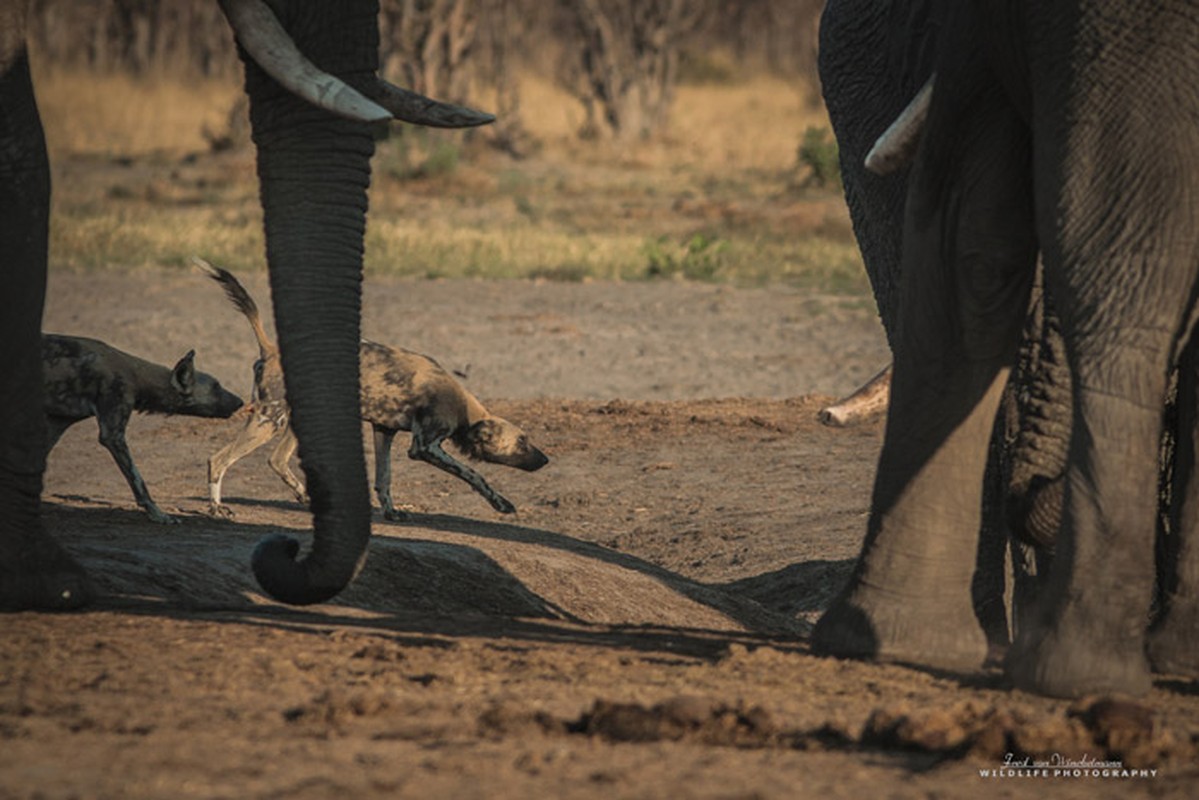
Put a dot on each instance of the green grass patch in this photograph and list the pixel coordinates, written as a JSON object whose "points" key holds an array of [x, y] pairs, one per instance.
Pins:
{"points": [[120, 236]]}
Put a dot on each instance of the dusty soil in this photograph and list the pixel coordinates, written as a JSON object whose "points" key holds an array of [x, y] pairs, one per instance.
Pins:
{"points": [[637, 629]]}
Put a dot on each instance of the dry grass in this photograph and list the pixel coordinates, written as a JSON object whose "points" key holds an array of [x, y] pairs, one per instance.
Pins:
{"points": [[113, 115], [715, 199]]}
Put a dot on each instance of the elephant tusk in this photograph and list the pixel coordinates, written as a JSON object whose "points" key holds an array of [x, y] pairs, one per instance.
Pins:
{"points": [[867, 402], [409, 106], [897, 146], [264, 38]]}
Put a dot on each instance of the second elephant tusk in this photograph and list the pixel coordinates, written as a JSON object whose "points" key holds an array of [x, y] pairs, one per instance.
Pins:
{"points": [[264, 38], [897, 146], [409, 106]]}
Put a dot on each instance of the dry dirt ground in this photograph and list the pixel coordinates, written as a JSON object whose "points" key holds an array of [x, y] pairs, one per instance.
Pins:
{"points": [[638, 629]]}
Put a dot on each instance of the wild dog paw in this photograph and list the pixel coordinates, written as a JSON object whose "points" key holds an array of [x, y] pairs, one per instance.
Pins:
{"points": [[161, 517], [220, 511], [393, 514], [502, 505]]}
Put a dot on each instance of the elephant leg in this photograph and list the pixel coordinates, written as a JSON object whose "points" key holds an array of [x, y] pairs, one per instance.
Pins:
{"points": [[35, 572], [968, 265], [1173, 646], [1087, 634], [1117, 224]]}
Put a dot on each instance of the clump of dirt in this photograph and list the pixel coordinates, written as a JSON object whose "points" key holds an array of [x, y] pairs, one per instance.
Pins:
{"points": [[1109, 730]]}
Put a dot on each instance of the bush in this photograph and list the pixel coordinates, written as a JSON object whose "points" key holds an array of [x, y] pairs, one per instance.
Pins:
{"points": [[818, 153], [699, 258]]}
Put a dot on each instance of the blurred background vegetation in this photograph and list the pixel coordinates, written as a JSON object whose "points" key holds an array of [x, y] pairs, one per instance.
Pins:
{"points": [[680, 139]]}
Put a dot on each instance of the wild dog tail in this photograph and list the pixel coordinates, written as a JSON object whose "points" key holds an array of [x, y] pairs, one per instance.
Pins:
{"points": [[241, 300]]}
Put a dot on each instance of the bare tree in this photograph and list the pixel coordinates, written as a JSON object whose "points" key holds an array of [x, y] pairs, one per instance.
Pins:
{"points": [[625, 67], [426, 44], [505, 27], [135, 36], [777, 35]]}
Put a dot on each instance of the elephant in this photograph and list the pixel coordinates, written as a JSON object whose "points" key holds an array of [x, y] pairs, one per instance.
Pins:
{"points": [[1063, 130], [314, 135]]}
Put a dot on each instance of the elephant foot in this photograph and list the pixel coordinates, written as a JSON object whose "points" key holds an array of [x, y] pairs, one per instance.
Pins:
{"points": [[1172, 646], [903, 631], [1070, 666], [41, 576]]}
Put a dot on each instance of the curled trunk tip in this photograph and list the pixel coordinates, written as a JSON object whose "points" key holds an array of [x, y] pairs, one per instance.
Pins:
{"points": [[289, 580]]}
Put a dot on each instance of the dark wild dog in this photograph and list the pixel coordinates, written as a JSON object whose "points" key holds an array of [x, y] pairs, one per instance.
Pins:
{"points": [[87, 378], [400, 391]]}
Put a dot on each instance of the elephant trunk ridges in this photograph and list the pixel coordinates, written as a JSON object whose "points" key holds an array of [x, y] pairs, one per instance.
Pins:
{"points": [[314, 170]]}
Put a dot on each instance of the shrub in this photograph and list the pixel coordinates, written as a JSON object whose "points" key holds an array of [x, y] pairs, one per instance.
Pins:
{"points": [[818, 152], [699, 258]]}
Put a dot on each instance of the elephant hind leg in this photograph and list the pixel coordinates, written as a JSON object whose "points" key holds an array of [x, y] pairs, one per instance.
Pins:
{"points": [[1087, 634], [1117, 226]]}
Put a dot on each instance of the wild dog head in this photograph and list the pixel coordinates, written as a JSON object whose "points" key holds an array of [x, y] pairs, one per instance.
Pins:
{"points": [[498, 441], [198, 394]]}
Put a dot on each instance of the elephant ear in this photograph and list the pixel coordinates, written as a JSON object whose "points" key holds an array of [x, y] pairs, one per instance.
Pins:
{"points": [[265, 39]]}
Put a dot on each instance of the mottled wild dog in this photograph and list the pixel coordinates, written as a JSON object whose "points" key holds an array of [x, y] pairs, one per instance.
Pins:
{"points": [[85, 378], [400, 391]]}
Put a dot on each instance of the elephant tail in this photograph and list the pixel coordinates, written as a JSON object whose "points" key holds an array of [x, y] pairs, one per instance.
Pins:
{"points": [[242, 301]]}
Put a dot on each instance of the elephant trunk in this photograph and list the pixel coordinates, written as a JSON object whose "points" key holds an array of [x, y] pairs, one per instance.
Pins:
{"points": [[1035, 493], [314, 170]]}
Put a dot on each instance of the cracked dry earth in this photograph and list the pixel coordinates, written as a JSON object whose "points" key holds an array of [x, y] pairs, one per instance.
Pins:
{"points": [[638, 629]]}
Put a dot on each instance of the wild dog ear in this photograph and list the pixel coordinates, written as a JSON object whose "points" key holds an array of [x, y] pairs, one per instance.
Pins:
{"points": [[481, 431], [183, 377]]}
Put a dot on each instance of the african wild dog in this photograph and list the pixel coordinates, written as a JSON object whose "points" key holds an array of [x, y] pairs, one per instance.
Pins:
{"points": [[401, 391], [87, 378]]}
